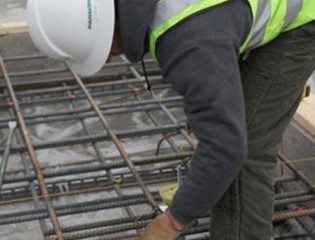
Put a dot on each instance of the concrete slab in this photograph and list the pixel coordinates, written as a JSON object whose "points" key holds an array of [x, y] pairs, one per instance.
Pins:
{"points": [[12, 11]]}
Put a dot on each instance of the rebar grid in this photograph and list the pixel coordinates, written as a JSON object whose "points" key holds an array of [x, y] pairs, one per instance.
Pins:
{"points": [[103, 107], [49, 96]]}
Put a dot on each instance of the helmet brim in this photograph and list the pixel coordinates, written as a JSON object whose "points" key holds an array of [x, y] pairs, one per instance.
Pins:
{"points": [[99, 30], [103, 42]]}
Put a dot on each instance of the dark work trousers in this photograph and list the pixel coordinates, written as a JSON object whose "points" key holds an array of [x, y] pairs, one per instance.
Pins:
{"points": [[273, 77], [238, 111]]}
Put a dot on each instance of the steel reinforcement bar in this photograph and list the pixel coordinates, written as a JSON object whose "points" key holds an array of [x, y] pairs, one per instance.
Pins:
{"points": [[39, 175], [66, 180]]}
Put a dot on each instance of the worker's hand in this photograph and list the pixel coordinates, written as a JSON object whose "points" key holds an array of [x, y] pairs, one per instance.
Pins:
{"points": [[164, 227]]}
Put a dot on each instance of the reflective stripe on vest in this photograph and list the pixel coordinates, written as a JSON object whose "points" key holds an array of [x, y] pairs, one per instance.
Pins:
{"points": [[168, 13], [270, 18], [293, 8]]}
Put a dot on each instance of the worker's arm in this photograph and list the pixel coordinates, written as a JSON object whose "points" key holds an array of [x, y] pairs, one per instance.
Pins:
{"points": [[202, 64], [214, 105]]}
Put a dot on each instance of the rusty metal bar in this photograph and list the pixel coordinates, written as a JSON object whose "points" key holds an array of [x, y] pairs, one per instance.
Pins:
{"points": [[86, 177], [27, 170], [87, 112], [31, 151], [189, 139], [101, 159], [117, 142], [300, 212], [300, 175], [77, 88]]}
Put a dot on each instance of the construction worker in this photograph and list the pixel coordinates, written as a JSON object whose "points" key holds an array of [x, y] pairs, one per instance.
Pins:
{"points": [[240, 65]]}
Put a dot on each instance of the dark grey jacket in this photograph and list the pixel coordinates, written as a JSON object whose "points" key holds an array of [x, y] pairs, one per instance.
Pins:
{"points": [[135, 17], [199, 57]]}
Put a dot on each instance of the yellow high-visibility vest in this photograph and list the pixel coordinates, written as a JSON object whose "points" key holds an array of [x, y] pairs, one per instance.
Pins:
{"points": [[270, 18]]}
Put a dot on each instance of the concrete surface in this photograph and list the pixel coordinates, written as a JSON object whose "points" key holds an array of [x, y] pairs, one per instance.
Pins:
{"points": [[12, 10]]}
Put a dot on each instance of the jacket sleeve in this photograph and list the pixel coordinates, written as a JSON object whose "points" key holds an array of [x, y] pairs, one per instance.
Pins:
{"points": [[204, 69], [135, 17]]}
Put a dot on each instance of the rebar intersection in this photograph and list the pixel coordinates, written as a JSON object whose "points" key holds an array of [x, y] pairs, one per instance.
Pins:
{"points": [[83, 160]]}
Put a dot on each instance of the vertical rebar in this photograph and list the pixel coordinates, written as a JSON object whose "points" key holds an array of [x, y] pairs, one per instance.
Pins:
{"points": [[117, 142], [297, 173], [27, 170], [4, 162], [192, 143], [100, 156], [31, 151]]}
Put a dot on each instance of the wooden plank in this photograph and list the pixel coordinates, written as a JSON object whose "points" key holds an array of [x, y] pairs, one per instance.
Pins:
{"points": [[305, 115], [13, 28]]}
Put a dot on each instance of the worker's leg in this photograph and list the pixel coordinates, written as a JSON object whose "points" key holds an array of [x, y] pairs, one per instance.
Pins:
{"points": [[273, 77]]}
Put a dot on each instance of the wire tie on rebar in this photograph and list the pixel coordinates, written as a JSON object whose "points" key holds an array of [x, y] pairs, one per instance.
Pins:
{"points": [[10, 103], [72, 98], [163, 207], [59, 185], [63, 187], [165, 137], [118, 180], [156, 211], [135, 90], [160, 99], [146, 78], [181, 150], [186, 160], [300, 209]]}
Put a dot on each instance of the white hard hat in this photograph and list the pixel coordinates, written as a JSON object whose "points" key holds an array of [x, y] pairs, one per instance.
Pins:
{"points": [[79, 32]]}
